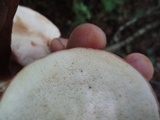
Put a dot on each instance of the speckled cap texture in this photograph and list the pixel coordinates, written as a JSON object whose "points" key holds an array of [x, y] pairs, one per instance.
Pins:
{"points": [[79, 84]]}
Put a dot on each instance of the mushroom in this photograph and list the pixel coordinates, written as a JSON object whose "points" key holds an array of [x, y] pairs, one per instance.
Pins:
{"points": [[79, 84], [31, 35]]}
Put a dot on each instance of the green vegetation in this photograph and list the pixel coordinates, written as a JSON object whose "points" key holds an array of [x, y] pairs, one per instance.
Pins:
{"points": [[83, 12], [110, 5]]}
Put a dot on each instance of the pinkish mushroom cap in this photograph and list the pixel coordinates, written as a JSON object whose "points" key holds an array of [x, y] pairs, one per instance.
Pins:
{"points": [[79, 84], [31, 35]]}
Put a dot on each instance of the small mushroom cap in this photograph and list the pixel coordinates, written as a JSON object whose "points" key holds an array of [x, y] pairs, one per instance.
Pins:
{"points": [[31, 35], [79, 84]]}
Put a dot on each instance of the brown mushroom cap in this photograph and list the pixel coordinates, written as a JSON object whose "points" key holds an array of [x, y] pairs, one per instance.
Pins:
{"points": [[31, 35], [79, 84]]}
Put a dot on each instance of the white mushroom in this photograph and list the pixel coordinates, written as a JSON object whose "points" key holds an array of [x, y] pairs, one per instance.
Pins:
{"points": [[31, 35], [79, 84]]}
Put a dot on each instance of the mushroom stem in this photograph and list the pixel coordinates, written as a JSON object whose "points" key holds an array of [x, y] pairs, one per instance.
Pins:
{"points": [[7, 12]]}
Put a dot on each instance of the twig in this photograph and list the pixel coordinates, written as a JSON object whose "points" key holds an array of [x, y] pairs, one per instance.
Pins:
{"points": [[117, 35], [134, 36]]}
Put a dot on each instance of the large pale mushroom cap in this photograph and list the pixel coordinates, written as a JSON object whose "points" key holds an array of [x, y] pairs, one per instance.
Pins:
{"points": [[31, 35], [79, 84]]}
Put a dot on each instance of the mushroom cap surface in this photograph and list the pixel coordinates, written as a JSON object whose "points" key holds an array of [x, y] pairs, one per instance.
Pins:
{"points": [[79, 84], [31, 35]]}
